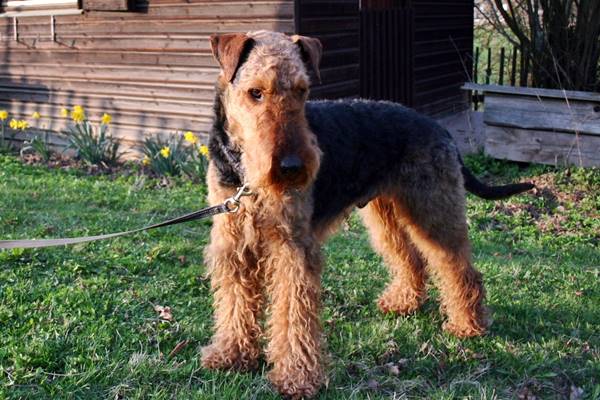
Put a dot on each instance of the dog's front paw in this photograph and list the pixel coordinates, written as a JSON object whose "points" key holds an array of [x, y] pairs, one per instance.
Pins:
{"points": [[229, 357], [469, 324], [400, 300], [464, 331], [297, 382]]}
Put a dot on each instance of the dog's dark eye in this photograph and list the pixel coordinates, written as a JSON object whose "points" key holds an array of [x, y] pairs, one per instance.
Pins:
{"points": [[256, 94]]}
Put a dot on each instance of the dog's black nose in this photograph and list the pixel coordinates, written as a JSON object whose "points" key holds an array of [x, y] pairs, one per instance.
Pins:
{"points": [[291, 165]]}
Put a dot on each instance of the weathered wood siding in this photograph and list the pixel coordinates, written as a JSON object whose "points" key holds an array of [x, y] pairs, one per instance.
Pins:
{"points": [[150, 67], [335, 23], [544, 147], [443, 54]]}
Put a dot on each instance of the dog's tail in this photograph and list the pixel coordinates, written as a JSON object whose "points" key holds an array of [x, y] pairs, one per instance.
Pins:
{"points": [[480, 189]]}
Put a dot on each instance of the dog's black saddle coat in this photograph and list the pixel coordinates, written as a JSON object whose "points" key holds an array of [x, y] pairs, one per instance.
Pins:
{"points": [[364, 143]]}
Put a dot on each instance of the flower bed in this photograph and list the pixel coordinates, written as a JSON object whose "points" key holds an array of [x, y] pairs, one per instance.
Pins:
{"points": [[92, 145]]}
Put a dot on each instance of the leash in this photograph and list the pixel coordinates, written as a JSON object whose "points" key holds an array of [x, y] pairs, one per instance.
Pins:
{"points": [[230, 205]]}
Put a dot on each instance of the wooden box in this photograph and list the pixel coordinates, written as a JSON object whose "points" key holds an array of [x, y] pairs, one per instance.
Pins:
{"points": [[546, 126]]}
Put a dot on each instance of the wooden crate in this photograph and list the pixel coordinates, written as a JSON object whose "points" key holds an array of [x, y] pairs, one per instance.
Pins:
{"points": [[546, 126]]}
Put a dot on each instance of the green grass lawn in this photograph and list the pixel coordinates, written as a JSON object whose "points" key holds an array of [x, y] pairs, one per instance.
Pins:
{"points": [[80, 322]]}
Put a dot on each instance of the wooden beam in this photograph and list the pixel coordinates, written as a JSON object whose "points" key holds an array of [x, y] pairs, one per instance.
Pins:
{"points": [[39, 13], [105, 5], [38, 3], [535, 92], [553, 148], [544, 113]]}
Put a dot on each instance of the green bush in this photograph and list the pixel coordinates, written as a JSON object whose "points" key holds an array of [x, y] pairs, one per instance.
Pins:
{"points": [[93, 146], [197, 164], [14, 124], [176, 155], [39, 146], [4, 143], [165, 157]]}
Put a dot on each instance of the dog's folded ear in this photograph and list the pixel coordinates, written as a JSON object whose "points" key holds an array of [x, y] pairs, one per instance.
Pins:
{"points": [[311, 50], [230, 50]]}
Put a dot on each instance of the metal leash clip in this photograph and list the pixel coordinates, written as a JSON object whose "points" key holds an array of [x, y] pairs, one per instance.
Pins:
{"points": [[232, 204]]}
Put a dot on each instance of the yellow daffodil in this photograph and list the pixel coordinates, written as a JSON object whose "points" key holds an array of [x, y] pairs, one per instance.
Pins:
{"points": [[203, 149], [190, 137], [78, 114], [106, 118], [64, 112], [165, 152], [145, 161], [36, 115], [22, 125], [18, 124], [3, 115]]}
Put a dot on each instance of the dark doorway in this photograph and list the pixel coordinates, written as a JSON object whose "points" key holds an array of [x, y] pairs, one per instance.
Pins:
{"points": [[386, 50]]}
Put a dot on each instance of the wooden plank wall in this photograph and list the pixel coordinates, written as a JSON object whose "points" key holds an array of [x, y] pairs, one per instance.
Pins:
{"points": [[151, 68], [443, 47], [443, 54], [336, 24]]}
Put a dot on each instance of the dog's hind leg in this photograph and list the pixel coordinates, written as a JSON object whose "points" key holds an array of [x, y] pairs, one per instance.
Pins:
{"points": [[406, 290], [432, 207]]}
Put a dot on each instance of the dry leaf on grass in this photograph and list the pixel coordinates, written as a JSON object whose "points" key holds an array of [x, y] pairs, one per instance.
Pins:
{"points": [[576, 393], [164, 312], [180, 346], [393, 369], [526, 394], [373, 384]]}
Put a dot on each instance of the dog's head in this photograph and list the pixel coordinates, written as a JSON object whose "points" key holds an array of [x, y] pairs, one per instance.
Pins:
{"points": [[263, 87]]}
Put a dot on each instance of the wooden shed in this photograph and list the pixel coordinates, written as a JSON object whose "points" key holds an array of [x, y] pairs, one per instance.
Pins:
{"points": [[148, 62]]}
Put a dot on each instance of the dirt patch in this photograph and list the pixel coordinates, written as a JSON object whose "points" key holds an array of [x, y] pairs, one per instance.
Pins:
{"points": [[59, 161], [553, 205]]}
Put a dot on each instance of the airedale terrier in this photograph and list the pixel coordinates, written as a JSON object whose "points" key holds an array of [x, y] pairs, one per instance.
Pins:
{"points": [[309, 164]]}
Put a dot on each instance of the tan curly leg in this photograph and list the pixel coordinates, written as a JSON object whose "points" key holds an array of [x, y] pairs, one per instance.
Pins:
{"points": [[238, 300], [294, 346]]}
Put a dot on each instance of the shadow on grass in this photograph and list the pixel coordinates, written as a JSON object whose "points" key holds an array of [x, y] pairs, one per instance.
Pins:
{"points": [[531, 324]]}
